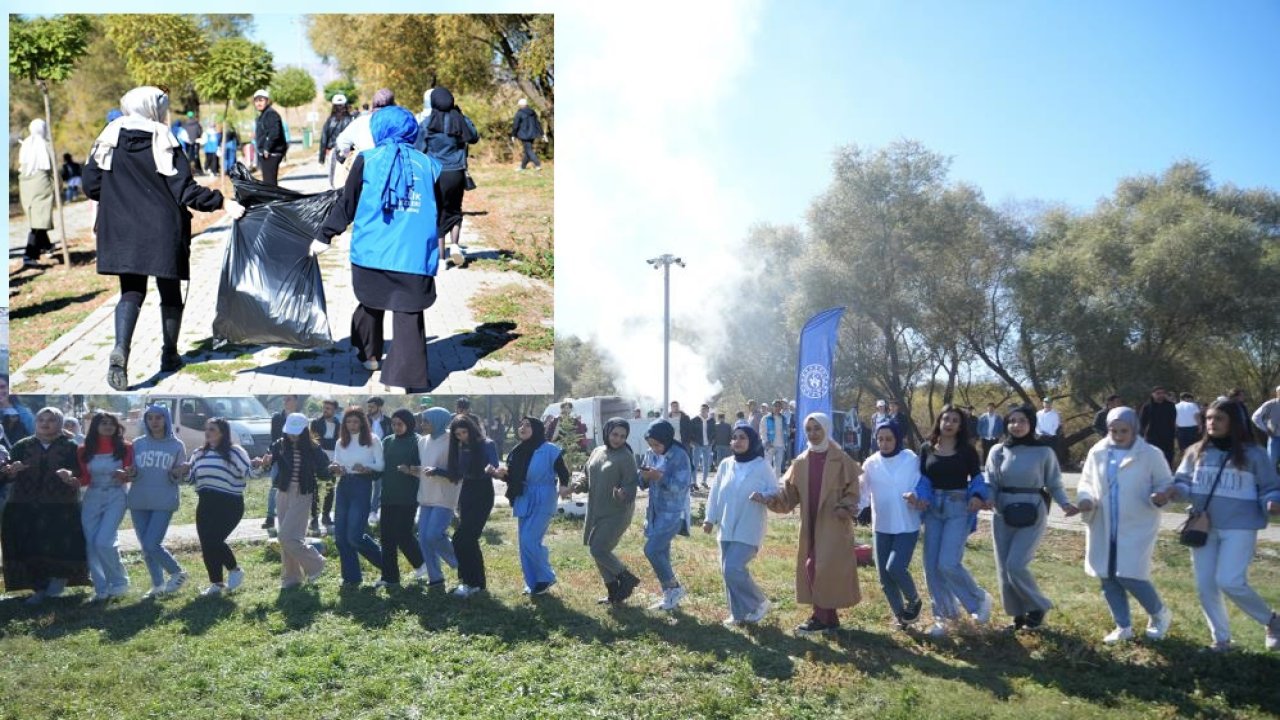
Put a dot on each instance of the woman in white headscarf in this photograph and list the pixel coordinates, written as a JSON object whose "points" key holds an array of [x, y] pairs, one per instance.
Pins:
{"points": [[1123, 484], [142, 182], [35, 189], [823, 482]]}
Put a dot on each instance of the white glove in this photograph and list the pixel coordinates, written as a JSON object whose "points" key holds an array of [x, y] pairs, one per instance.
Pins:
{"points": [[233, 208], [318, 247]]}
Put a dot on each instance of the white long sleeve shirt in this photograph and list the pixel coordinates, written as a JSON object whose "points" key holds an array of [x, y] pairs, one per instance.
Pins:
{"points": [[885, 481], [354, 453]]}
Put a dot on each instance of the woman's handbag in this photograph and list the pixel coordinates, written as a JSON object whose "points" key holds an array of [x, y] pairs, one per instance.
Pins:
{"points": [[1195, 529], [470, 183]]}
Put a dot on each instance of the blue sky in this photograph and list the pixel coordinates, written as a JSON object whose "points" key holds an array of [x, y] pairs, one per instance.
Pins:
{"points": [[680, 124]]}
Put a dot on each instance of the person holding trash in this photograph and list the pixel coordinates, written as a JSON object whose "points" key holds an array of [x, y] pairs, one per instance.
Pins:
{"points": [[142, 182], [391, 195]]}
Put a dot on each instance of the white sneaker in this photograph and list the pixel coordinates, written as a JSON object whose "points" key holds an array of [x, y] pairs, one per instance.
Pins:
{"points": [[315, 575], [671, 597], [939, 629], [1159, 624], [176, 582], [155, 591], [465, 591], [213, 590], [373, 518], [759, 614], [983, 616], [420, 573], [1120, 634], [1273, 632], [384, 584], [234, 578]]}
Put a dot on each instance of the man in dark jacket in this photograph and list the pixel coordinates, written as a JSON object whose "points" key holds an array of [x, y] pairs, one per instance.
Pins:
{"points": [[701, 443], [338, 121], [325, 430], [526, 129], [1158, 421], [1100, 418], [268, 137], [192, 148]]}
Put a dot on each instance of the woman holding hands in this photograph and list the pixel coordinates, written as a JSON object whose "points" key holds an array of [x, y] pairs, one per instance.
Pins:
{"points": [[105, 468], [42, 536], [531, 472], [667, 473], [741, 522], [823, 482], [299, 462], [358, 460], [1123, 484], [611, 481]]}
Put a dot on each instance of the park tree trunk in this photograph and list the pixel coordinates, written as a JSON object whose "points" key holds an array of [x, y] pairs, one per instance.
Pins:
{"points": [[57, 178]]}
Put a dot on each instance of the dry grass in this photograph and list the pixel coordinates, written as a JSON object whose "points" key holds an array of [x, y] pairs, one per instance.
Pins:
{"points": [[514, 211]]}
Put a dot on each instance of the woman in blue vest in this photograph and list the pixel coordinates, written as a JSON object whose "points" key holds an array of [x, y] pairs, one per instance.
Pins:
{"points": [[531, 473], [391, 195]]}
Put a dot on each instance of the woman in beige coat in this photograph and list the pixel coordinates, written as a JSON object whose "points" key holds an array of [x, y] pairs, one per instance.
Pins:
{"points": [[35, 189], [610, 482], [823, 482]]}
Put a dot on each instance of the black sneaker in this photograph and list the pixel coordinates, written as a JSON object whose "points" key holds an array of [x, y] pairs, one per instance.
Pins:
{"points": [[314, 528], [269, 523], [1035, 619], [627, 583], [813, 626], [612, 595], [1019, 622], [912, 611]]}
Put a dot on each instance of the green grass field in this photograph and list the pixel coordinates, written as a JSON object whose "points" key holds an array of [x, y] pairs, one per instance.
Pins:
{"points": [[322, 653]]}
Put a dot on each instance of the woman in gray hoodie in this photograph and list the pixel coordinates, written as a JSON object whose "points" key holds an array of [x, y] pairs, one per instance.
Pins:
{"points": [[1233, 481], [158, 455]]}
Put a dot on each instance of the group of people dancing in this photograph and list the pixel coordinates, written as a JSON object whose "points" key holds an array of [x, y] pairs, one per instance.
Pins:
{"points": [[66, 503]]}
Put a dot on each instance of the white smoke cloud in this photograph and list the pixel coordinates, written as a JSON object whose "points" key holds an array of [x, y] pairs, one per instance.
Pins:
{"points": [[639, 100]]}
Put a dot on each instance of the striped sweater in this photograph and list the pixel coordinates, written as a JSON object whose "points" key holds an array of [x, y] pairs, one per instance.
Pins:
{"points": [[209, 471]]}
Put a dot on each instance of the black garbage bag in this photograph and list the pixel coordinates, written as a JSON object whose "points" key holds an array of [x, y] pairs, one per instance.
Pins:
{"points": [[271, 292]]}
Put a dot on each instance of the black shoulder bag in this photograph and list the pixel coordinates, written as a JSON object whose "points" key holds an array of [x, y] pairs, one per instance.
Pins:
{"points": [[1195, 529]]}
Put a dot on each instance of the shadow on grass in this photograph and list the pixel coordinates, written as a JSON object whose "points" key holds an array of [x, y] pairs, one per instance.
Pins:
{"points": [[54, 305]]}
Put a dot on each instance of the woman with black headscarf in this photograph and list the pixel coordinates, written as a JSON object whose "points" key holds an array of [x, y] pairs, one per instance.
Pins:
{"points": [[448, 133], [667, 473], [1021, 471], [889, 479], [741, 521], [473, 461], [611, 502], [391, 196], [402, 459], [142, 182], [531, 473]]}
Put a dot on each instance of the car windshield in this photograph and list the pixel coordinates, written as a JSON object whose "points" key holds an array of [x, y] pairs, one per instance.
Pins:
{"points": [[244, 407]]}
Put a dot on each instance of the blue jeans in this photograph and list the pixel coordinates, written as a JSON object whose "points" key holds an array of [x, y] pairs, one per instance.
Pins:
{"points": [[150, 526], [893, 560], [946, 527], [100, 515], [377, 494], [535, 559], [744, 595], [1117, 590], [657, 548], [271, 492], [351, 527], [433, 539], [702, 458], [1273, 447]]}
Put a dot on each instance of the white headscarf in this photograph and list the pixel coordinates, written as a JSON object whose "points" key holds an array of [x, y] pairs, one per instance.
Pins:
{"points": [[145, 108], [36, 154], [825, 422]]}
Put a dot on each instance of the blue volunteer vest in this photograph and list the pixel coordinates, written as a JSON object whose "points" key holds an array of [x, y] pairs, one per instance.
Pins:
{"points": [[404, 240]]}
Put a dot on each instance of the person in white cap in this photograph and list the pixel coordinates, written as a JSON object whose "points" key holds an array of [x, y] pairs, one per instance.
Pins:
{"points": [[299, 460], [268, 137], [339, 119]]}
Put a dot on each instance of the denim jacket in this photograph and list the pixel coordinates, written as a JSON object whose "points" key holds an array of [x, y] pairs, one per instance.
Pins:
{"points": [[668, 510]]}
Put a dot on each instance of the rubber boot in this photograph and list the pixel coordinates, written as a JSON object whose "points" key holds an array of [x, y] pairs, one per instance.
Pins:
{"points": [[170, 326], [118, 368]]}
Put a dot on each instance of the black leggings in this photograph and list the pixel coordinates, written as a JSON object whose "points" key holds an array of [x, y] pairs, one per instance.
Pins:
{"points": [[452, 186], [396, 522], [217, 515], [133, 288], [474, 506], [37, 242]]}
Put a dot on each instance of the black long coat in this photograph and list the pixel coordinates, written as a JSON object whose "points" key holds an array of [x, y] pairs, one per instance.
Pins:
{"points": [[143, 225]]}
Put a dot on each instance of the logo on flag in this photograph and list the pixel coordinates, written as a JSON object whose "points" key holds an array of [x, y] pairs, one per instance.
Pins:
{"points": [[815, 381]]}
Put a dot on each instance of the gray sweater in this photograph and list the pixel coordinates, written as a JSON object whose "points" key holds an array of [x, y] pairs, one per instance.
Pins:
{"points": [[153, 488], [1239, 503], [1023, 466]]}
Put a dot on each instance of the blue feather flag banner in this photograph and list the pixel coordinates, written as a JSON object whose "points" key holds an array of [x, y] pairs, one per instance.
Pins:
{"points": [[813, 372]]}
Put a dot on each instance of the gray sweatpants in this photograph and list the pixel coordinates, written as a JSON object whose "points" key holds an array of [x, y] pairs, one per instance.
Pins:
{"points": [[1015, 549]]}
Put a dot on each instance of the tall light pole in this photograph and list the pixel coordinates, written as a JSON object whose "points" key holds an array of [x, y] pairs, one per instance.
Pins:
{"points": [[665, 262]]}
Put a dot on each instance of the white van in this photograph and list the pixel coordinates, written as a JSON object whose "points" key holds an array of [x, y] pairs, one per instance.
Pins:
{"points": [[249, 420]]}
